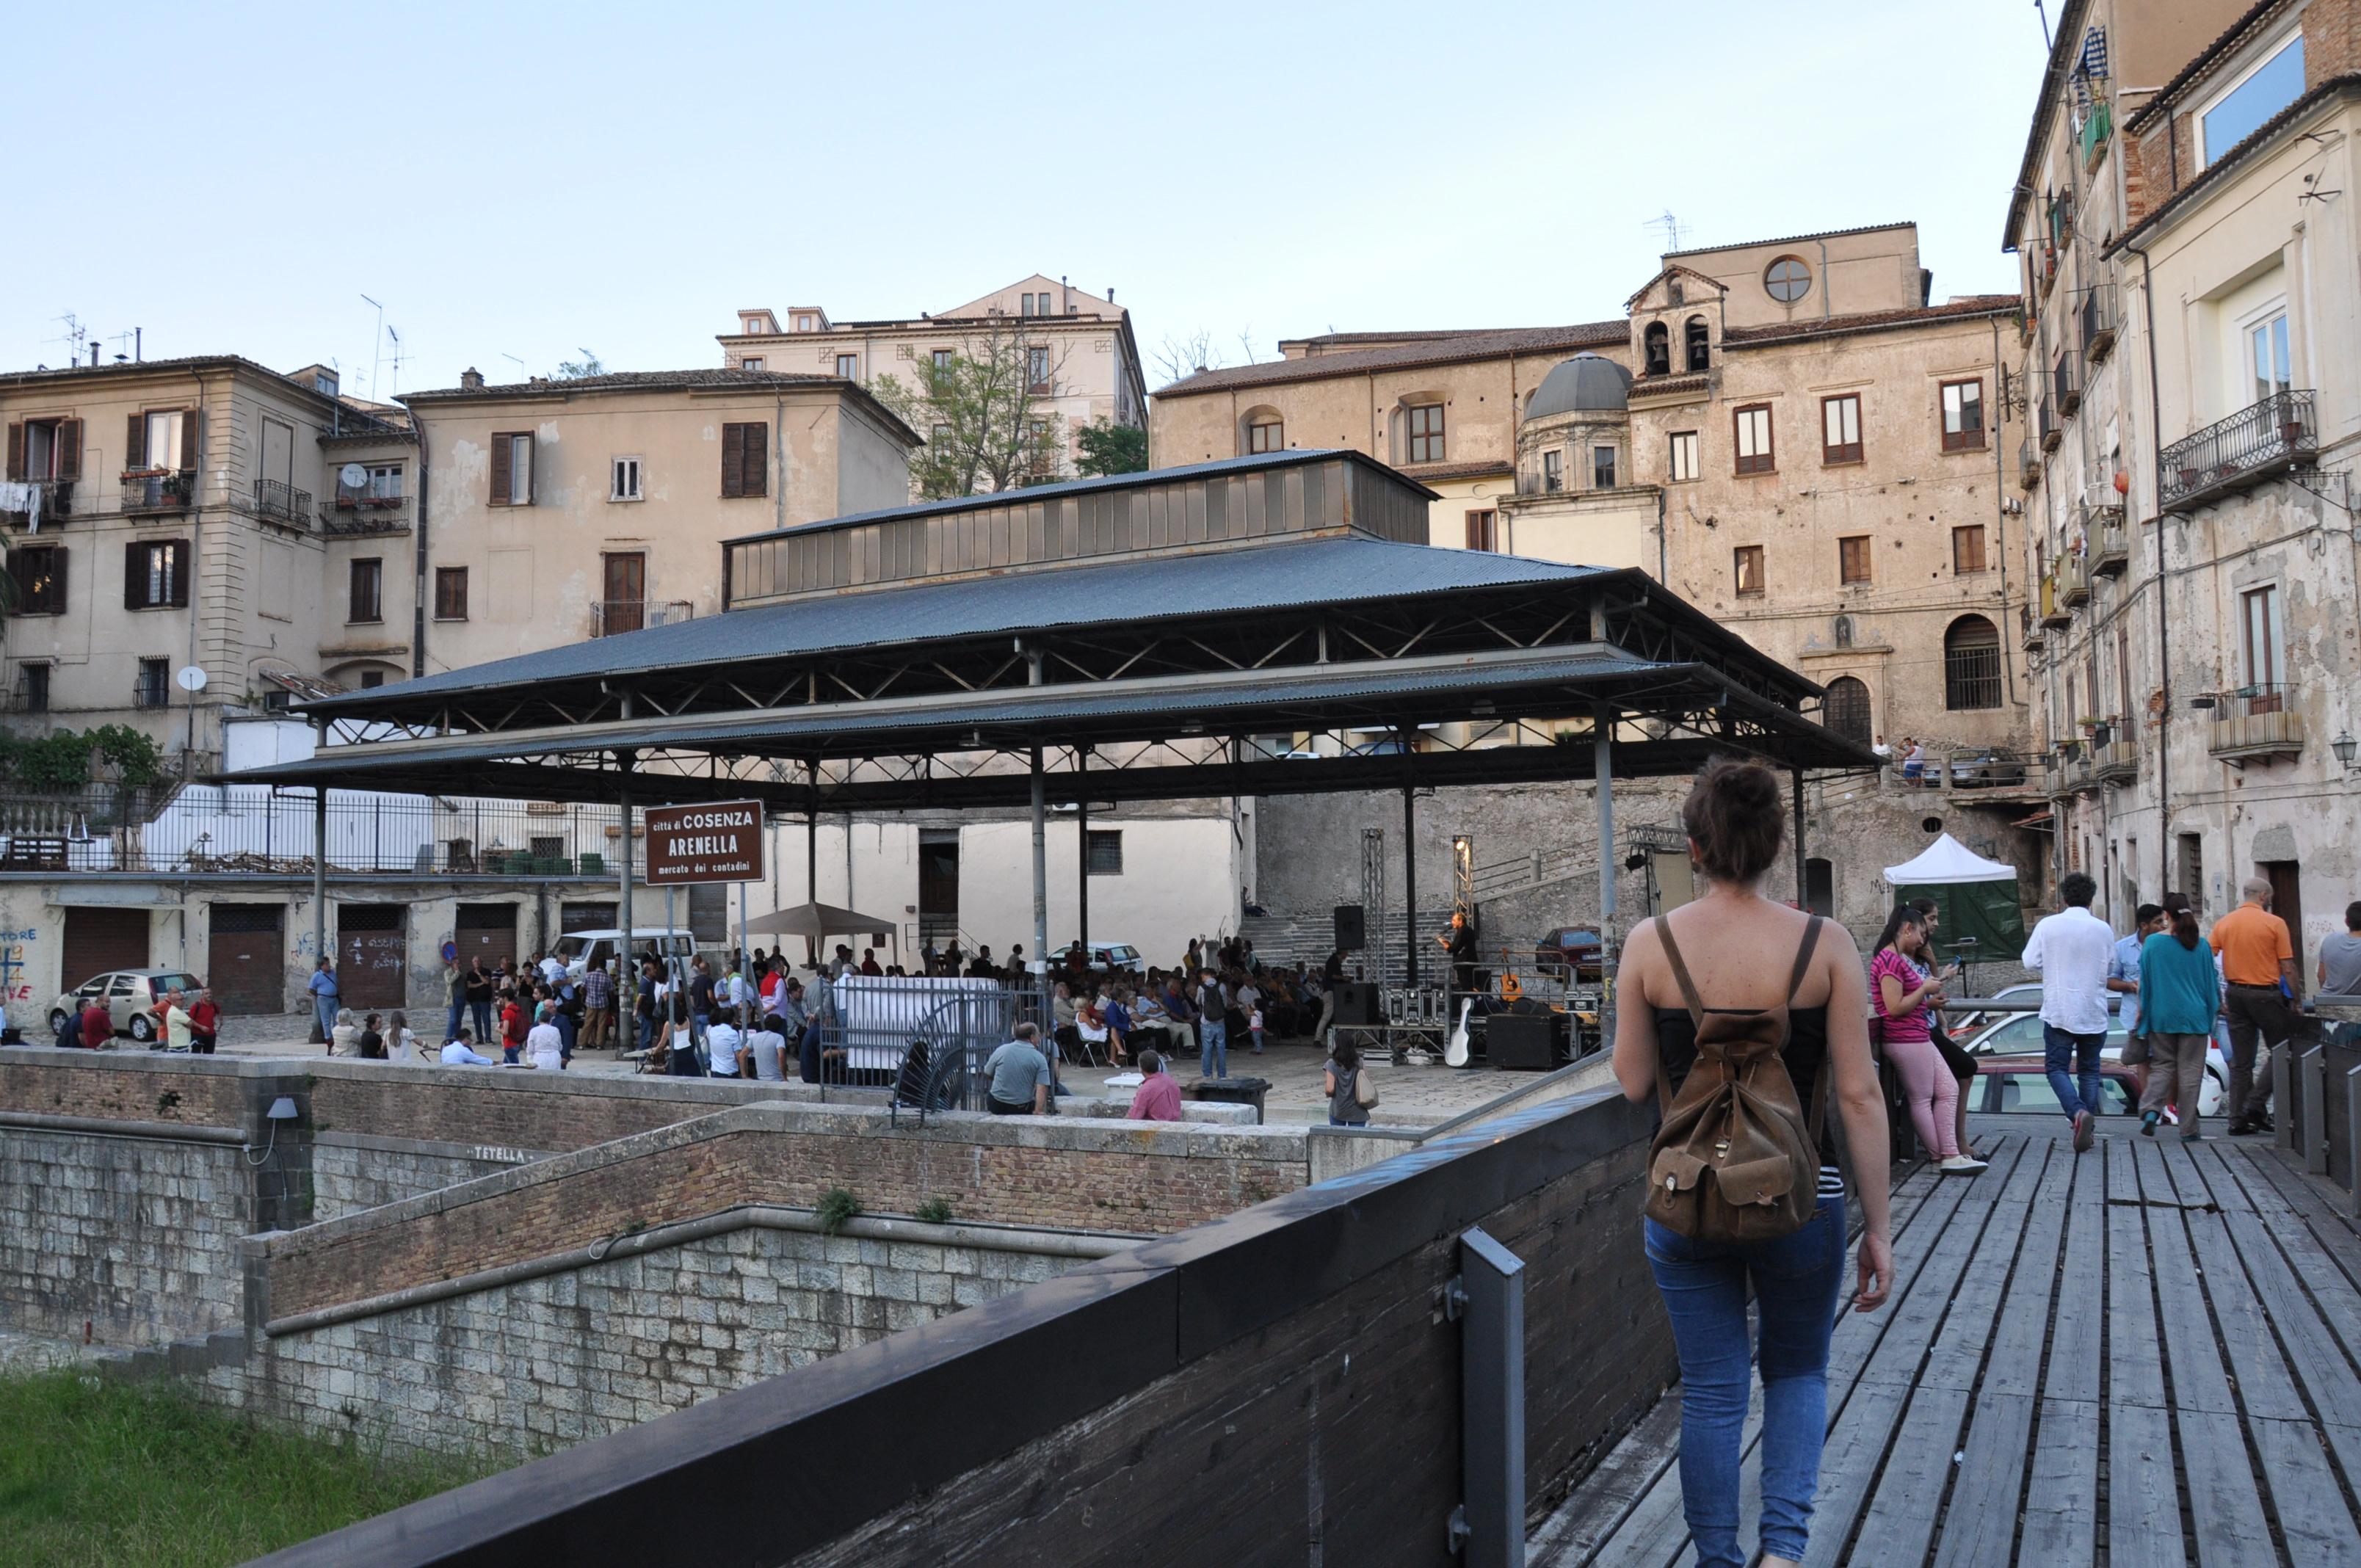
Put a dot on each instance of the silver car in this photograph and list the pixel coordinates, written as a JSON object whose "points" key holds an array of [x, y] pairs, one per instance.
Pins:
{"points": [[135, 999]]}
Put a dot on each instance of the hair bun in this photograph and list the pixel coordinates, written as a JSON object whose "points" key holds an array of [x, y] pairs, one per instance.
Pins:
{"points": [[1733, 816]]}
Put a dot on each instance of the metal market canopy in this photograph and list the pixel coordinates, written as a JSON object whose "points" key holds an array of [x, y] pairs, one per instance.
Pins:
{"points": [[1138, 631]]}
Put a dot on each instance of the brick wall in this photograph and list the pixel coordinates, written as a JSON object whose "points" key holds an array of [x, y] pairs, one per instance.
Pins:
{"points": [[531, 1367], [518, 1110], [350, 1174], [1060, 1173], [120, 1088], [136, 1237]]}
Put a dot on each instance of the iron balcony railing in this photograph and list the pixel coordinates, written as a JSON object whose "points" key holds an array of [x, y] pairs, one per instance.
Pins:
{"points": [[2050, 433], [2110, 543], [151, 691], [2066, 387], [382, 515], [285, 502], [2029, 464], [2256, 721], [56, 501], [159, 492], [612, 618], [2098, 319], [2262, 439]]}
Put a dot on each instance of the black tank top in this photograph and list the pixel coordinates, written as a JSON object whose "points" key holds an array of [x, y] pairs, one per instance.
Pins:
{"points": [[1805, 1054]]}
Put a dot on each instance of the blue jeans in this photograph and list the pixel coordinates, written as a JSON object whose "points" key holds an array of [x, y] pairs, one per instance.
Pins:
{"points": [[1703, 1287], [323, 1009], [482, 1010], [1213, 1049], [451, 1028], [2076, 1092]]}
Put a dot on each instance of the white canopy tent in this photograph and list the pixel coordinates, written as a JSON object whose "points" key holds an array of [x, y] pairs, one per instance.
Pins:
{"points": [[1947, 861]]}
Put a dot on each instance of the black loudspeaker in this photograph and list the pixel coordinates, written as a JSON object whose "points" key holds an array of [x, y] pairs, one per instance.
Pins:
{"points": [[1357, 1003], [1352, 930], [1525, 1042]]}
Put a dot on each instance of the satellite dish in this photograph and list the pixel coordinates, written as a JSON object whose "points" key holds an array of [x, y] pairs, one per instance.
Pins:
{"points": [[352, 476], [191, 677]]}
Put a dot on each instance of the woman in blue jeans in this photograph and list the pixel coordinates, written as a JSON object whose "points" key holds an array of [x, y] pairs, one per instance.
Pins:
{"points": [[1738, 944]]}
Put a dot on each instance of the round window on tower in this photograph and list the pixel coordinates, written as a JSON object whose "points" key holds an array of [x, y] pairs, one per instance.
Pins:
{"points": [[1788, 280]]}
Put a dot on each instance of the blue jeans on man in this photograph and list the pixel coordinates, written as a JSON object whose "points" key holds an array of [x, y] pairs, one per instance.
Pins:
{"points": [[451, 1026], [324, 1010], [1213, 1047], [1795, 1279], [2077, 1090]]}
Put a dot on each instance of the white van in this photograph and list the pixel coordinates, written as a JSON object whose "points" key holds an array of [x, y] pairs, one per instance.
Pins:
{"points": [[577, 950]]}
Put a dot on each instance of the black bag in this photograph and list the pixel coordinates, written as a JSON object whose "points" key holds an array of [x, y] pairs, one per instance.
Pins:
{"points": [[917, 1068]]}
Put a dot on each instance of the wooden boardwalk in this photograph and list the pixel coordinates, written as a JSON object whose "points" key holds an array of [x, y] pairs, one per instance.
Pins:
{"points": [[2145, 1356]]}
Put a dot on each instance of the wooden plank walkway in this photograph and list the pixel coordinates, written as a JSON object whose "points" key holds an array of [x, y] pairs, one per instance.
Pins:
{"points": [[2148, 1355]]}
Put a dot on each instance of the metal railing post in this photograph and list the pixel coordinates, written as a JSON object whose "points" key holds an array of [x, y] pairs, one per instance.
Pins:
{"points": [[1489, 1297], [2314, 1066], [2353, 1143], [2283, 1097]]}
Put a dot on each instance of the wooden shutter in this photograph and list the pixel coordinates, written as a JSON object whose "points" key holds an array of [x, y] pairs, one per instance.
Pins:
{"points": [[192, 441], [500, 470], [733, 461], [180, 564], [68, 438], [16, 450], [135, 444], [135, 576], [57, 601], [755, 480]]}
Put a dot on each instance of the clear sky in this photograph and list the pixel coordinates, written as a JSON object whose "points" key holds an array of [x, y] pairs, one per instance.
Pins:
{"points": [[521, 183]]}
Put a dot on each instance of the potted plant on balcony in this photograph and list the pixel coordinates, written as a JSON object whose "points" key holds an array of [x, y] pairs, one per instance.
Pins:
{"points": [[2101, 731], [2188, 477]]}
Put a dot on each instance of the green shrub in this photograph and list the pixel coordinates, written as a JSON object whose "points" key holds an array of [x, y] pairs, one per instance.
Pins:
{"points": [[836, 1210], [935, 1212]]}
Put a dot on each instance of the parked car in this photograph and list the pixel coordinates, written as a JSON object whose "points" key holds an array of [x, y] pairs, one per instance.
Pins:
{"points": [[2019, 1035], [133, 996], [2010, 1084], [1987, 770], [577, 950], [1574, 951], [1111, 956]]}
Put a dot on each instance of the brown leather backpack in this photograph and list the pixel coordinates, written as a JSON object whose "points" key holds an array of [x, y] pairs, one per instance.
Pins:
{"points": [[1735, 1159]]}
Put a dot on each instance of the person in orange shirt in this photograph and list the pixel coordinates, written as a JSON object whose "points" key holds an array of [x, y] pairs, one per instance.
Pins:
{"points": [[2261, 987]]}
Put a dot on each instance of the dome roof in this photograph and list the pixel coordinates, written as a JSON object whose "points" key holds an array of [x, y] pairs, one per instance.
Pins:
{"points": [[1585, 382]]}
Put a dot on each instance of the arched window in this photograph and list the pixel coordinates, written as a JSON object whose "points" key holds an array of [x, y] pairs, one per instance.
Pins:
{"points": [[1847, 710], [1659, 347], [1700, 345], [1261, 430], [1971, 669]]}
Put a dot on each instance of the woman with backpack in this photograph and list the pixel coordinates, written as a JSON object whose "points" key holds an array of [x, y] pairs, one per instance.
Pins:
{"points": [[1350, 1092], [1744, 1189], [1901, 1001]]}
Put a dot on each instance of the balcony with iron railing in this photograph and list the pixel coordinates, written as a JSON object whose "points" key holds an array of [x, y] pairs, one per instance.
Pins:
{"points": [[158, 493], [2092, 137], [2240, 452], [2254, 723], [52, 498], [2098, 320], [2116, 760], [350, 516], [2035, 635], [2047, 423], [2028, 465], [2066, 385], [282, 502], [2074, 580], [2110, 544], [2053, 612], [612, 618]]}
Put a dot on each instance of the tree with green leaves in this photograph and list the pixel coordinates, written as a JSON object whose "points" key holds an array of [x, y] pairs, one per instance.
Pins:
{"points": [[574, 369], [1112, 448], [984, 412]]}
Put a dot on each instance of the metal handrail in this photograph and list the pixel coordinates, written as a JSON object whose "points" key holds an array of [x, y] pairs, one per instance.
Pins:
{"points": [[273, 498], [2278, 432]]}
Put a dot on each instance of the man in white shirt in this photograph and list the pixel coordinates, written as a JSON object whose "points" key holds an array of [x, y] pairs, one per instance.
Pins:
{"points": [[458, 1052], [543, 1045], [2071, 952], [723, 1046], [767, 1049]]}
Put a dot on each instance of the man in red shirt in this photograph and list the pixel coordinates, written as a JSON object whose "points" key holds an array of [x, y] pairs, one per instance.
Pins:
{"points": [[511, 1030], [97, 1025], [1158, 1099], [204, 1024]]}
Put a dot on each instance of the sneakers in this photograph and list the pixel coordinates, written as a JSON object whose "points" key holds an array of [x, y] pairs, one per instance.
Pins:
{"points": [[2086, 1131], [1960, 1165], [2148, 1120]]}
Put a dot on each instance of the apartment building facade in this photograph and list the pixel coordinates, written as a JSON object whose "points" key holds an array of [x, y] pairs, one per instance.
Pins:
{"points": [[1786, 432], [566, 509], [1083, 363], [2193, 317], [183, 515]]}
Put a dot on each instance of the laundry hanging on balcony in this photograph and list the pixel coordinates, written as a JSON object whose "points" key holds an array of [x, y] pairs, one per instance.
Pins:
{"points": [[24, 496]]}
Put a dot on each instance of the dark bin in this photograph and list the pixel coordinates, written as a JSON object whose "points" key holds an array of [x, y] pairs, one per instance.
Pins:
{"points": [[1231, 1091]]}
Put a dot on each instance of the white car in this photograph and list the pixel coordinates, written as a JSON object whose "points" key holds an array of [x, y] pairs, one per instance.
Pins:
{"points": [[134, 998], [2019, 1033], [577, 950], [1110, 956]]}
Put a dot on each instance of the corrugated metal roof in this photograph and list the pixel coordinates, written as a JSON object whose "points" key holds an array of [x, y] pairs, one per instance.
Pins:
{"points": [[924, 723], [1246, 579]]}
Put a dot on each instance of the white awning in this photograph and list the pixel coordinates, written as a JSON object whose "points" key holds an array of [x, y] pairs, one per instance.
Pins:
{"points": [[1947, 861]]}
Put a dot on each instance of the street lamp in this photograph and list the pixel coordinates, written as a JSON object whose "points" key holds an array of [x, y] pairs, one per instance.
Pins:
{"points": [[2343, 746]]}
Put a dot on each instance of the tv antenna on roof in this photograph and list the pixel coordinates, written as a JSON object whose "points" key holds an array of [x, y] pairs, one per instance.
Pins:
{"points": [[396, 335], [1672, 228], [377, 343]]}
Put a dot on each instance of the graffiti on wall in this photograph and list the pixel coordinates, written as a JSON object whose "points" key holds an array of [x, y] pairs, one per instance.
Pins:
{"points": [[15, 983]]}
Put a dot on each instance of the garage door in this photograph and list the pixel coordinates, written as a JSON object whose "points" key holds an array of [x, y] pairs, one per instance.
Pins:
{"points": [[486, 931], [249, 966], [101, 939], [372, 954]]}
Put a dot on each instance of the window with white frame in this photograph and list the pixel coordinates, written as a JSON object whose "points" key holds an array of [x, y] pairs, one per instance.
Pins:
{"points": [[2268, 356], [2256, 96], [162, 448], [624, 485], [2258, 615], [1684, 456]]}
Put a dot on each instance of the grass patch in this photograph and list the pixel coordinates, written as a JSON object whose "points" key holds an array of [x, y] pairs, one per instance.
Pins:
{"points": [[95, 1471], [838, 1208], [934, 1212]]}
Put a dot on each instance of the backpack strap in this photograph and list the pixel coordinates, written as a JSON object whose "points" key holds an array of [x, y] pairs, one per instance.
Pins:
{"points": [[1803, 956], [1688, 995], [1824, 1087]]}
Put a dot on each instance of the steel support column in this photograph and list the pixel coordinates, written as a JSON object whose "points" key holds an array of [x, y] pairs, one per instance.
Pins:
{"points": [[320, 885], [1411, 936], [1796, 778], [1602, 724], [627, 963], [1083, 849], [1489, 1527], [1041, 894]]}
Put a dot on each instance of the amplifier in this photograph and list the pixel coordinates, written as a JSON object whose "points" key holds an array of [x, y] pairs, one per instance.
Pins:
{"points": [[1525, 1042], [1352, 929], [1357, 1003]]}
